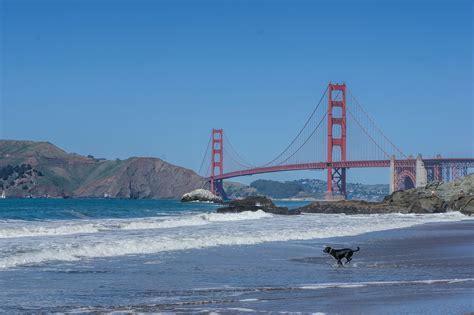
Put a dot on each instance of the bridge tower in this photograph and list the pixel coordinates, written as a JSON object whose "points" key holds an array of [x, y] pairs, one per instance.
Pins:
{"points": [[217, 162], [336, 177]]}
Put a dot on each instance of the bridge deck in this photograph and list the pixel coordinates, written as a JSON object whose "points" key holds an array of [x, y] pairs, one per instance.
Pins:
{"points": [[343, 164]]}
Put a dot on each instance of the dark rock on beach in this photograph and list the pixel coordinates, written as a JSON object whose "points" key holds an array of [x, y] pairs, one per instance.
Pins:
{"points": [[413, 201], [399, 202], [255, 203], [463, 203], [435, 197], [344, 206]]}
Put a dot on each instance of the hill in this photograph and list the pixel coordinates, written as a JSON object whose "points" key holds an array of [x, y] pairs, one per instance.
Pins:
{"points": [[36, 169], [304, 189]]}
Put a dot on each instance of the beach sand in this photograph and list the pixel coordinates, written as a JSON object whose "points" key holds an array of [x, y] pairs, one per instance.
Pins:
{"points": [[426, 269]]}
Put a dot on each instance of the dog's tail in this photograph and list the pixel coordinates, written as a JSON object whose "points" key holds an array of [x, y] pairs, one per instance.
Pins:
{"points": [[358, 248]]}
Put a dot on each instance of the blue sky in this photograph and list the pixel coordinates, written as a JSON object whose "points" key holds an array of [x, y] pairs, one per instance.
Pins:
{"points": [[151, 78]]}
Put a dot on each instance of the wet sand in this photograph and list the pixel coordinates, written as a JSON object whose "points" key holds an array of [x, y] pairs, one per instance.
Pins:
{"points": [[427, 269]]}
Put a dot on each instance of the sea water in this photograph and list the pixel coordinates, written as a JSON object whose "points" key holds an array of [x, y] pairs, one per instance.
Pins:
{"points": [[47, 231], [135, 252]]}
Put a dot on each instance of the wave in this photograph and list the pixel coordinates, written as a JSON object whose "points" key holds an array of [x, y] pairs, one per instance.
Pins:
{"points": [[60, 228], [246, 215], [329, 285], [382, 283], [225, 230], [218, 301]]}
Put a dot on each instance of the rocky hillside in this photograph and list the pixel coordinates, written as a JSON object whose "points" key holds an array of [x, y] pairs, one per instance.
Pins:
{"points": [[38, 169]]}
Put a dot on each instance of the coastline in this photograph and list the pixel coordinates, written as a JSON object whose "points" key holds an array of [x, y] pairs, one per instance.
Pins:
{"points": [[426, 268]]}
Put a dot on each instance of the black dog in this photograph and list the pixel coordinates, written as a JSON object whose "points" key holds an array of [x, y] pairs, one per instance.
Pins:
{"points": [[338, 254]]}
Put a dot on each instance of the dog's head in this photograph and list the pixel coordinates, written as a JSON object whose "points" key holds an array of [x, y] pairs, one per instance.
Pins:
{"points": [[327, 249]]}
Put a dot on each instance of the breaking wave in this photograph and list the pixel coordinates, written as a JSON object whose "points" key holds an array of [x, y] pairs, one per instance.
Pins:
{"points": [[108, 238], [59, 228]]}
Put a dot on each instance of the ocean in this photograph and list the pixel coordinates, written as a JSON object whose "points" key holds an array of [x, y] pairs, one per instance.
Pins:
{"points": [[107, 255]]}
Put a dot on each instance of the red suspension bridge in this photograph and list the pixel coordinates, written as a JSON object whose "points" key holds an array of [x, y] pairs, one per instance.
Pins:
{"points": [[338, 135]]}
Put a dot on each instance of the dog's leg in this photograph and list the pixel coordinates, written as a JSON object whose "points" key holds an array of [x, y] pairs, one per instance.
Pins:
{"points": [[348, 257], [339, 262]]}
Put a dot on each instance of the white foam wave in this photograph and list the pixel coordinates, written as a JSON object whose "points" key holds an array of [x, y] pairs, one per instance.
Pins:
{"points": [[59, 228], [246, 215], [32, 229], [214, 230], [240, 309], [381, 283]]}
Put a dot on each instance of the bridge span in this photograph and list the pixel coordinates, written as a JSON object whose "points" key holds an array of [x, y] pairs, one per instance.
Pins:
{"points": [[341, 136], [456, 162]]}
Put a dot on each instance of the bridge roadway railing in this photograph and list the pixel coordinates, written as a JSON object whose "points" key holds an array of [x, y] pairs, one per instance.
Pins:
{"points": [[467, 162]]}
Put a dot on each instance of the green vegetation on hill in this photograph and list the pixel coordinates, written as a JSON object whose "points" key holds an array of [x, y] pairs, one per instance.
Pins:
{"points": [[276, 189], [304, 188], [7, 171], [19, 175]]}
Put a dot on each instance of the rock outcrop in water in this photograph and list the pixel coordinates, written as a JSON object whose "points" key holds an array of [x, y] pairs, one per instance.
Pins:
{"points": [[433, 198], [462, 203], [255, 203], [202, 195]]}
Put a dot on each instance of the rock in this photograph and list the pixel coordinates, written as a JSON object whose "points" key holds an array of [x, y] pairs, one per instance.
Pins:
{"points": [[201, 195], [399, 203], [255, 203], [448, 191], [414, 201], [463, 203], [431, 204], [344, 206], [435, 197]]}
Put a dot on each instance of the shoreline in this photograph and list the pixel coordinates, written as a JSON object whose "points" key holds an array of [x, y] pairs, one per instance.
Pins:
{"points": [[446, 290], [425, 268]]}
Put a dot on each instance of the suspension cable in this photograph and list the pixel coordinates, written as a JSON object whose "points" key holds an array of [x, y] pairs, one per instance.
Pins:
{"points": [[237, 162], [307, 139], [299, 133], [367, 133], [375, 125], [248, 165], [205, 154]]}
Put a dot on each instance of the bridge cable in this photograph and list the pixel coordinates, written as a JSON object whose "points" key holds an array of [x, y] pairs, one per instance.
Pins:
{"points": [[367, 133], [237, 162], [205, 155], [227, 141], [301, 131], [375, 125], [307, 139], [206, 176]]}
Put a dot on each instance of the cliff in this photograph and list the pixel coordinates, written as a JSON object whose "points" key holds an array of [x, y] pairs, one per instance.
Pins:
{"points": [[37, 169]]}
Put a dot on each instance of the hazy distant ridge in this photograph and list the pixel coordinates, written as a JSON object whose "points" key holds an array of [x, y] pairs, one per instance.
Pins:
{"points": [[304, 189]]}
